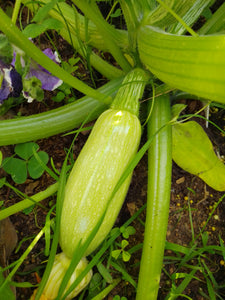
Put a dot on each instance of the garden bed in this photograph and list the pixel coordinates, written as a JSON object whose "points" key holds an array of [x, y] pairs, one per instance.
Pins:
{"points": [[195, 232]]}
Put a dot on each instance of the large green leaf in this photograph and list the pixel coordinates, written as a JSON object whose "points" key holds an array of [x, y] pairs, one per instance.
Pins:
{"points": [[193, 152], [195, 64]]}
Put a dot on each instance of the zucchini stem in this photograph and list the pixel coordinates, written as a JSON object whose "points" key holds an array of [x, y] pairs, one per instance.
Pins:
{"points": [[127, 97], [159, 183]]}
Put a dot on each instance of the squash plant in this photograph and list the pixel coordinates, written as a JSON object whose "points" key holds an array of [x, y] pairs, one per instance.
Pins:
{"points": [[158, 39]]}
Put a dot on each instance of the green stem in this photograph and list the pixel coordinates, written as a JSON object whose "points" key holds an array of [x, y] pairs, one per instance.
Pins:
{"points": [[20, 206], [159, 182], [16, 11], [16, 37], [107, 290], [131, 91], [68, 117], [107, 31]]}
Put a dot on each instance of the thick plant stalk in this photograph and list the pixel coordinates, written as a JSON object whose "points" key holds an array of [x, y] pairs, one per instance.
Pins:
{"points": [[159, 182], [56, 121]]}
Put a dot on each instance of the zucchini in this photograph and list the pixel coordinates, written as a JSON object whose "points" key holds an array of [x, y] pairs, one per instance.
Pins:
{"points": [[112, 144], [116, 136]]}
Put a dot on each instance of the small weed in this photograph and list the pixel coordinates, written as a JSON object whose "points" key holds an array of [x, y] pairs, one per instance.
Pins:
{"points": [[117, 297], [125, 254], [25, 160]]}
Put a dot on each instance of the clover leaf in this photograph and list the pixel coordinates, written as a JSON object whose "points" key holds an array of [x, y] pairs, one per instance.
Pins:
{"points": [[26, 162]]}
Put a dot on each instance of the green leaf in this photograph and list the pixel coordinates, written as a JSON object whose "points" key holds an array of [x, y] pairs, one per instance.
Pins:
{"points": [[105, 273], [25, 150], [44, 10], [6, 292], [116, 14], [190, 63], [124, 244], [126, 256], [17, 168], [176, 110], [6, 51], [28, 210], [193, 152], [2, 182], [34, 30], [34, 168], [33, 87], [128, 231], [116, 253]]}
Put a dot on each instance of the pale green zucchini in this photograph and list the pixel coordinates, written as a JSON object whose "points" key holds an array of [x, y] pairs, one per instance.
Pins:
{"points": [[194, 64], [112, 144], [115, 136]]}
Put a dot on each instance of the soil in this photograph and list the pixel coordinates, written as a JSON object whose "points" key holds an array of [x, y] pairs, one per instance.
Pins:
{"points": [[184, 186]]}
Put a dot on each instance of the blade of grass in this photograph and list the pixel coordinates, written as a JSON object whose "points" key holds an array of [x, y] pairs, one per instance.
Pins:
{"points": [[178, 291], [107, 290]]}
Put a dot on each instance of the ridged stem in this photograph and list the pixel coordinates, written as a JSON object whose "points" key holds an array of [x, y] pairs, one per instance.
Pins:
{"points": [[67, 117], [158, 200], [131, 91]]}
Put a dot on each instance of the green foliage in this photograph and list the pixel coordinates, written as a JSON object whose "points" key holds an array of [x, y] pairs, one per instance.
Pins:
{"points": [[64, 91], [117, 297], [126, 232], [34, 87], [6, 50], [25, 162], [6, 292], [34, 30], [125, 254]]}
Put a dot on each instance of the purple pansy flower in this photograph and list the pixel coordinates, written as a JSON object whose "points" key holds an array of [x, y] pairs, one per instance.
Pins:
{"points": [[48, 81], [11, 84], [11, 81]]}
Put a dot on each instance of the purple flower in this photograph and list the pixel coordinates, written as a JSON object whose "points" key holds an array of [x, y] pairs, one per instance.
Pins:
{"points": [[33, 82], [11, 85], [48, 81]]}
